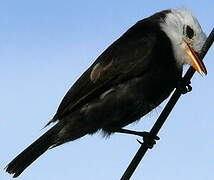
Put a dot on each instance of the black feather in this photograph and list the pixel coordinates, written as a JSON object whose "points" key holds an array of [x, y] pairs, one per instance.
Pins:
{"points": [[32, 152]]}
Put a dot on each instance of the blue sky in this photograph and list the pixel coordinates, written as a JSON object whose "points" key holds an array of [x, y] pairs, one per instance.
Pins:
{"points": [[45, 45]]}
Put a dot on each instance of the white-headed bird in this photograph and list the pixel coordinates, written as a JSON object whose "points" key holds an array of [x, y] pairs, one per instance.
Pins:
{"points": [[129, 79]]}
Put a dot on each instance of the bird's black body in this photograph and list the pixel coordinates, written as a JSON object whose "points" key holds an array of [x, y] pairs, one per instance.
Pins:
{"points": [[129, 79], [142, 73]]}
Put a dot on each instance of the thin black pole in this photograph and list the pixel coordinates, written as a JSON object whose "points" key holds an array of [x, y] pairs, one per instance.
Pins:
{"points": [[165, 113]]}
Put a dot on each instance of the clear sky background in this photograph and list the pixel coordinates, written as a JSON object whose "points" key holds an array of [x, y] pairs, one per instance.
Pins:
{"points": [[45, 45]]}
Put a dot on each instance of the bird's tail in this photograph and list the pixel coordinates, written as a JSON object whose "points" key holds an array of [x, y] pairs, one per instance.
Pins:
{"points": [[32, 152]]}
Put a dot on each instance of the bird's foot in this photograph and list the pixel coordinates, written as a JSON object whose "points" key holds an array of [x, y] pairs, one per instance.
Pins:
{"points": [[184, 86], [149, 140]]}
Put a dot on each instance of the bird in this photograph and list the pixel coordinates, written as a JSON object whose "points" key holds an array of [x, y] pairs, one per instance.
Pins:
{"points": [[133, 76]]}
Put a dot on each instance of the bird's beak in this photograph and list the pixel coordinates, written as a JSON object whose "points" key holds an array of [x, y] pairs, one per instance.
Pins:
{"points": [[196, 63]]}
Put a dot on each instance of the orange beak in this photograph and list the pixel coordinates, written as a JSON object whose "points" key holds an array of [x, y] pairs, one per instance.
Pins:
{"points": [[196, 63]]}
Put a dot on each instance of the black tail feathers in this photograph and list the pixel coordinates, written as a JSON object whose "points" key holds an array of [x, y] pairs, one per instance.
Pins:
{"points": [[32, 152]]}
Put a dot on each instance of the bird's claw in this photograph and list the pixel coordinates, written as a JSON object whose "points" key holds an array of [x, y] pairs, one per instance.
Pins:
{"points": [[149, 140], [184, 86]]}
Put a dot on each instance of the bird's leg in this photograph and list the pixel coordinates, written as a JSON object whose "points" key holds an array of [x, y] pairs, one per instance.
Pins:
{"points": [[184, 86], [148, 138]]}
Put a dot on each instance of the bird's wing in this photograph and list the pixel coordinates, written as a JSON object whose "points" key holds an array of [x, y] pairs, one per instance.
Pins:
{"points": [[126, 58]]}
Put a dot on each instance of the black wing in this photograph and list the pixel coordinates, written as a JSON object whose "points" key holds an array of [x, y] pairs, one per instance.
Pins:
{"points": [[126, 58]]}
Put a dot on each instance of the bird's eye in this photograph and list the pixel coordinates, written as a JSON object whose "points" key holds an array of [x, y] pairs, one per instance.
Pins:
{"points": [[189, 32]]}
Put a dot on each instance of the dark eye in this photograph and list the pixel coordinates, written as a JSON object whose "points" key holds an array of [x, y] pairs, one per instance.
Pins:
{"points": [[189, 32]]}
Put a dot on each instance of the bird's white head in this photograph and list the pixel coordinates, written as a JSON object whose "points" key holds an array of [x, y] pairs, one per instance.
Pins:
{"points": [[187, 37]]}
